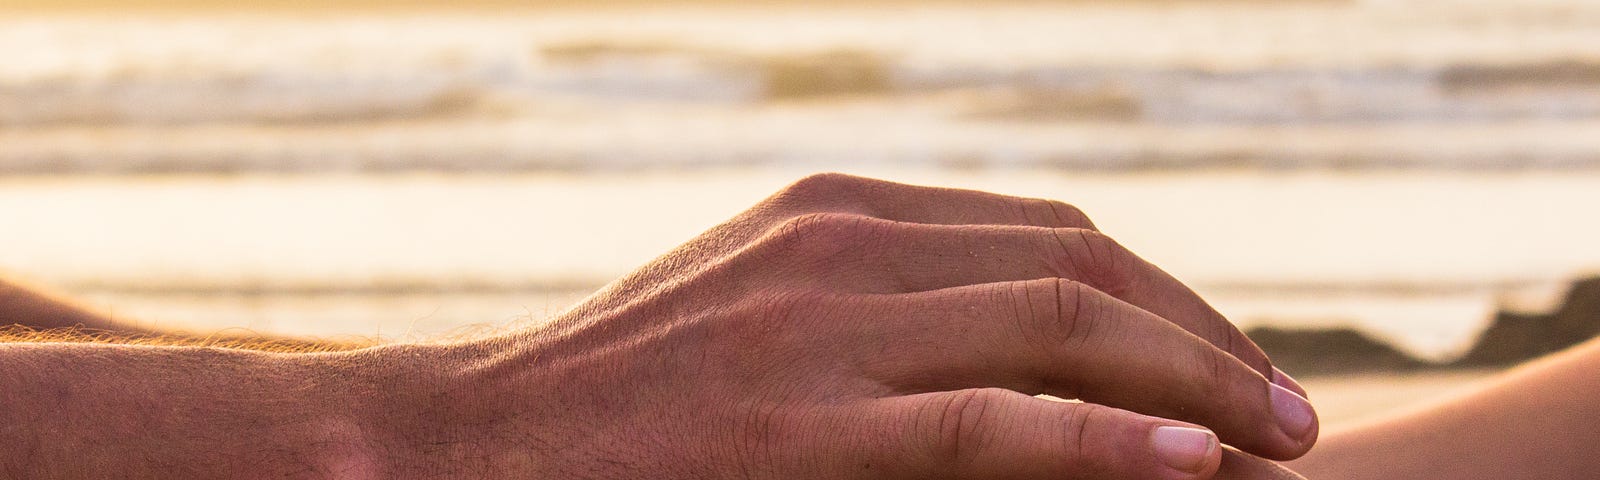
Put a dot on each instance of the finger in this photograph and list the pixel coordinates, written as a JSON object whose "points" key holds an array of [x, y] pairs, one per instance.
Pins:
{"points": [[1067, 339], [839, 193], [996, 433], [1238, 465], [1284, 380], [894, 257]]}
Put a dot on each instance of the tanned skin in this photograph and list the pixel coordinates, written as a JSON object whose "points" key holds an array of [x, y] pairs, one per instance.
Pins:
{"points": [[843, 328], [42, 311], [31, 315], [1539, 421]]}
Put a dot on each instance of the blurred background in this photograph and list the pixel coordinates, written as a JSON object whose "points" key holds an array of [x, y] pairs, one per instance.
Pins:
{"points": [[1395, 196]]}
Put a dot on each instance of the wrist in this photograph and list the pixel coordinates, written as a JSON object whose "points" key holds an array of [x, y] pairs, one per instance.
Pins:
{"points": [[438, 410]]}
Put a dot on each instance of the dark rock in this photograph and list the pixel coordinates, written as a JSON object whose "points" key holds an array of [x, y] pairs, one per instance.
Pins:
{"points": [[1515, 337], [1510, 339], [1315, 352]]}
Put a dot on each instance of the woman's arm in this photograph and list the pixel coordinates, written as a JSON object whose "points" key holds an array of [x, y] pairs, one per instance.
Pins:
{"points": [[35, 309], [30, 314], [1540, 421]]}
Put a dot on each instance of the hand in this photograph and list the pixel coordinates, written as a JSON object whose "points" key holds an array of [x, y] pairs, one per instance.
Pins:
{"points": [[853, 328]]}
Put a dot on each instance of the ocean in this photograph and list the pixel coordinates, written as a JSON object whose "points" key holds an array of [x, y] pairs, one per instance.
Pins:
{"points": [[1401, 167]]}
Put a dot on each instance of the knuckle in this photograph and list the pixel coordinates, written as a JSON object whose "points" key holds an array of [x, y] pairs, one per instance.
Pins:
{"points": [[1215, 380], [965, 424], [822, 188], [1241, 347], [1095, 258], [826, 181], [1033, 305], [1058, 213], [824, 233], [1078, 434], [1070, 214], [1076, 317], [1090, 441]]}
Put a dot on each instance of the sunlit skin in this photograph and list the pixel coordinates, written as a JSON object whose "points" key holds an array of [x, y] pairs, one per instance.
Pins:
{"points": [[1539, 421], [842, 328], [29, 314]]}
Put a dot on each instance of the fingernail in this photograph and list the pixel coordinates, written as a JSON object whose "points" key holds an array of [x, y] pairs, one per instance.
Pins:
{"points": [[1183, 448], [1294, 413], [1286, 381]]}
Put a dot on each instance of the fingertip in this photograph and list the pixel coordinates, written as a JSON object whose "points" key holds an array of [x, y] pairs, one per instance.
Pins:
{"points": [[1188, 451], [1296, 419]]}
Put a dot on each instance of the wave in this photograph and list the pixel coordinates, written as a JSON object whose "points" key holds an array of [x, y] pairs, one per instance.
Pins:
{"points": [[612, 75], [696, 140], [1051, 89]]}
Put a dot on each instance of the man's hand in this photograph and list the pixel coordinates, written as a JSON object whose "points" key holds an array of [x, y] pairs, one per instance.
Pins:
{"points": [[844, 328], [853, 328]]}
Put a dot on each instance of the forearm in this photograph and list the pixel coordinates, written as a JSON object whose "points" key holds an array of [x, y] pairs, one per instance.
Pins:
{"points": [[31, 307], [80, 411], [1538, 422]]}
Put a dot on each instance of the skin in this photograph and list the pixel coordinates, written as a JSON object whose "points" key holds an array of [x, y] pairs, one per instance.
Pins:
{"points": [[843, 328], [42, 311], [30, 314], [1536, 422]]}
